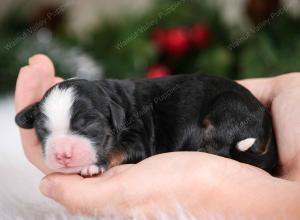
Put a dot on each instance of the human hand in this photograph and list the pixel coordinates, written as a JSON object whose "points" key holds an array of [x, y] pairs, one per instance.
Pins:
{"points": [[202, 185], [199, 181], [33, 81], [129, 187]]}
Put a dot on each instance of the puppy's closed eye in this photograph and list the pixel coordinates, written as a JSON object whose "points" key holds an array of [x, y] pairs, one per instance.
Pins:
{"points": [[91, 128], [81, 121]]}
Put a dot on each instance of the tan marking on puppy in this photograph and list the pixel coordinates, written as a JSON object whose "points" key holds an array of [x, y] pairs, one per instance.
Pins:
{"points": [[117, 157], [265, 147], [208, 128], [206, 123]]}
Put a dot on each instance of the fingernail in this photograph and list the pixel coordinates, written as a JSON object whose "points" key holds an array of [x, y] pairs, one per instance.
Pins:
{"points": [[45, 187]]}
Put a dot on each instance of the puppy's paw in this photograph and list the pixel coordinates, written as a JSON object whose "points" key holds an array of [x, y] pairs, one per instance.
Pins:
{"points": [[91, 170]]}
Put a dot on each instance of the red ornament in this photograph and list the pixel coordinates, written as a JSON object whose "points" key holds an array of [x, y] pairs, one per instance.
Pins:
{"points": [[177, 41], [174, 41], [159, 39], [200, 35], [158, 71]]}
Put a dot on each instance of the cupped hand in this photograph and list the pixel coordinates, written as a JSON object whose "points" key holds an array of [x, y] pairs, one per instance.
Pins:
{"points": [[198, 184], [201, 183]]}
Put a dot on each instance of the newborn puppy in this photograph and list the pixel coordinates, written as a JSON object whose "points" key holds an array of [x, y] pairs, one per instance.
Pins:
{"points": [[87, 127]]}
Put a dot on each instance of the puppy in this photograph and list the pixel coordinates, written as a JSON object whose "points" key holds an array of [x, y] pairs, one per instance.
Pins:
{"points": [[87, 127]]}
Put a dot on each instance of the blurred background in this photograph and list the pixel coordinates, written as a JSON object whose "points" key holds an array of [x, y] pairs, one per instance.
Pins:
{"points": [[134, 39], [149, 38]]}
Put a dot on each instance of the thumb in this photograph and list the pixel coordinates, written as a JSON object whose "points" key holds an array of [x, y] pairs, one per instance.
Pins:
{"points": [[63, 188], [261, 88]]}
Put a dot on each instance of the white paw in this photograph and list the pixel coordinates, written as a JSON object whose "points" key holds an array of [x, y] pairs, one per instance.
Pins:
{"points": [[90, 170]]}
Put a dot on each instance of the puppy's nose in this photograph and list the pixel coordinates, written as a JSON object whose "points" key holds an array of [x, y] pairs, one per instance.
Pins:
{"points": [[66, 151], [63, 158]]}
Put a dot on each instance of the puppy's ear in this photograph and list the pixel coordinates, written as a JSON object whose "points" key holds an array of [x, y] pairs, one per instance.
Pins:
{"points": [[26, 117], [117, 115]]}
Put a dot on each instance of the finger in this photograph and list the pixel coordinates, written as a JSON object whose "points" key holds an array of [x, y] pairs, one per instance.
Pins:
{"points": [[26, 87], [78, 194], [32, 81], [65, 189], [25, 95], [43, 62], [34, 151], [261, 88], [58, 80], [45, 77]]}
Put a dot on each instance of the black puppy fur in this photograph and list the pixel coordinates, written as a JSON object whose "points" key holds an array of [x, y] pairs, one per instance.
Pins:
{"points": [[135, 119]]}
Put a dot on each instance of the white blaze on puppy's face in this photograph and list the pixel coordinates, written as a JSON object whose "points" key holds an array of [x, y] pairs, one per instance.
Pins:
{"points": [[64, 151], [58, 109]]}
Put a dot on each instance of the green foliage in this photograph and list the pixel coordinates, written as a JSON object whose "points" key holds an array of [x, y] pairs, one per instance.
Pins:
{"points": [[125, 49], [123, 46], [217, 61], [273, 50]]}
